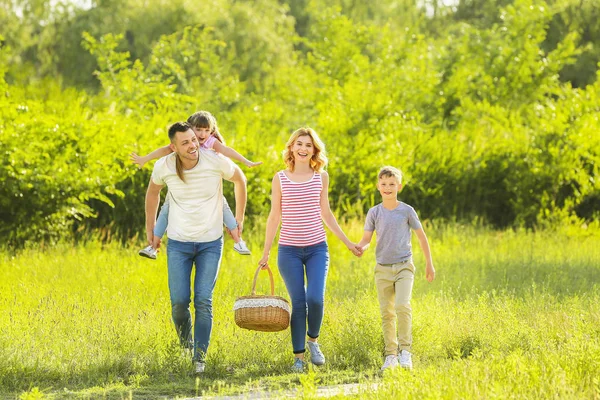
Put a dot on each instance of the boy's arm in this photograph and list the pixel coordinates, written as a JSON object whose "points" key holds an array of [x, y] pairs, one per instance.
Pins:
{"points": [[429, 270], [365, 242], [158, 153], [231, 153]]}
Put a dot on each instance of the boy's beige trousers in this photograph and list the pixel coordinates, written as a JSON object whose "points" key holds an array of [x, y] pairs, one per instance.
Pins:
{"points": [[394, 289]]}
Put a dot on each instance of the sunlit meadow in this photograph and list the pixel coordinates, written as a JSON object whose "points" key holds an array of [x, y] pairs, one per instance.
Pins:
{"points": [[511, 314]]}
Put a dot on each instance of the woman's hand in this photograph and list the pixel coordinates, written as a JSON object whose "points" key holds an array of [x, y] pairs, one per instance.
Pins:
{"points": [[264, 262], [357, 251]]}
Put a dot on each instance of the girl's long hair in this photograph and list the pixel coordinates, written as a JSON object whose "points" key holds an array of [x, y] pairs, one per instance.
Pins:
{"points": [[204, 119], [318, 161], [173, 129]]}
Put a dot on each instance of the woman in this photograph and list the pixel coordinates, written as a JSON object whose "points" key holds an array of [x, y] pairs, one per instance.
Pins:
{"points": [[300, 201]]}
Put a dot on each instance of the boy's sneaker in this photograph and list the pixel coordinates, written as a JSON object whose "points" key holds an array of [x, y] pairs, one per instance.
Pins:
{"points": [[405, 359], [299, 366], [241, 248], [316, 355], [391, 361], [148, 252], [200, 367]]}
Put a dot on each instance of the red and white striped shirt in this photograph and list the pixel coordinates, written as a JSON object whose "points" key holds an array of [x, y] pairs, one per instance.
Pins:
{"points": [[301, 222]]}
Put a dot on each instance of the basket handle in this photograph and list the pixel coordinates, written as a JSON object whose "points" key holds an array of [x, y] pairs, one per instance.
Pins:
{"points": [[270, 277]]}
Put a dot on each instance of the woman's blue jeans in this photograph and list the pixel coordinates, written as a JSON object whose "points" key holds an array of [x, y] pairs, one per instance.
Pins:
{"points": [[207, 259], [307, 301]]}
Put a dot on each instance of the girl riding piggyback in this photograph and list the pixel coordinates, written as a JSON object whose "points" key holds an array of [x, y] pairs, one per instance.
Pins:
{"points": [[204, 125]]}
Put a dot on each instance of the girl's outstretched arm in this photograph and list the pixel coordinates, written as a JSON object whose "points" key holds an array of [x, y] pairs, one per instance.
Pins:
{"points": [[156, 154], [231, 153]]}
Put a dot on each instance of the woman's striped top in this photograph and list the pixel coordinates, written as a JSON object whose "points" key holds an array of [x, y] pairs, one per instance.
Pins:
{"points": [[301, 222]]}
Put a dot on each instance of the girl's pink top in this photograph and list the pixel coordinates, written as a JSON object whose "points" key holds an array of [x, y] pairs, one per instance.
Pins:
{"points": [[209, 143], [301, 222]]}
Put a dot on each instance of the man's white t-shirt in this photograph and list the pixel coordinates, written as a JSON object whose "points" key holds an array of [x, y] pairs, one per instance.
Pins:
{"points": [[196, 205]]}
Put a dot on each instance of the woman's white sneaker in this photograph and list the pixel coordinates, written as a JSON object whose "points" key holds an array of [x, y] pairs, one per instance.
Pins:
{"points": [[391, 361], [316, 355], [405, 359]]}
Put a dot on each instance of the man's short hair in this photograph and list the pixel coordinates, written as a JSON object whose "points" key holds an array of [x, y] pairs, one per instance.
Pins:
{"points": [[388, 172], [178, 127]]}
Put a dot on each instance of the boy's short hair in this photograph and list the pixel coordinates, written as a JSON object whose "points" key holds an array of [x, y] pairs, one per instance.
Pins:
{"points": [[388, 172]]}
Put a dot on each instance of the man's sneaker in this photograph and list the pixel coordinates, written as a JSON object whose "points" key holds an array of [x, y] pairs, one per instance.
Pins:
{"points": [[391, 361], [187, 350], [148, 252], [299, 366], [200, 367], [316, 355], [405, 359], [241, 248]]}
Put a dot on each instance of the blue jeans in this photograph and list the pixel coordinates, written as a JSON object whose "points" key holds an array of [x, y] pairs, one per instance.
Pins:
{"points": [[307, 301], [207, 259], [163, 218]]}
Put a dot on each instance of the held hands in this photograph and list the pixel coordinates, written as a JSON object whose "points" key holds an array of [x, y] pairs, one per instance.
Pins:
{"points": [[139, 160], [355, 249]]}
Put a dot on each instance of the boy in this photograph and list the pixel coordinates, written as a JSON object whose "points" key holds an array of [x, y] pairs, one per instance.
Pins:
{"points": [[394, 272]]}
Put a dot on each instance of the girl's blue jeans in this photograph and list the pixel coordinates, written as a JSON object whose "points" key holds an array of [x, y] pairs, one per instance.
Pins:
{"points": [[206, 257], [163, 218], [307, 300]]}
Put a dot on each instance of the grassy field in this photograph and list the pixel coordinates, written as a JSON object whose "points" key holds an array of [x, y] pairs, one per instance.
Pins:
{"points": [[510, 315]]}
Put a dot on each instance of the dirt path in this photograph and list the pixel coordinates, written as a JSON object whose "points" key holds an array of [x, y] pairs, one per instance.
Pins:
{"points": [[323, 391]]}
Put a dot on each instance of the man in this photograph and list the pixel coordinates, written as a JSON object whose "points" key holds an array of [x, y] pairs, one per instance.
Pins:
{"points": [[194, 178]]}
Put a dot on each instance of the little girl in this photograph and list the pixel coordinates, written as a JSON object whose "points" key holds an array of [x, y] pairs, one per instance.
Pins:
{"points": [[205, 127]]}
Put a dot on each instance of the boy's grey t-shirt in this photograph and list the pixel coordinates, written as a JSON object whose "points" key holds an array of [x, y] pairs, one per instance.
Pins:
{"points": [[393, 231]]}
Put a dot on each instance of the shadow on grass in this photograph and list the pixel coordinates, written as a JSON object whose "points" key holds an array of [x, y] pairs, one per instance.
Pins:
{"points": [[109, 381]]}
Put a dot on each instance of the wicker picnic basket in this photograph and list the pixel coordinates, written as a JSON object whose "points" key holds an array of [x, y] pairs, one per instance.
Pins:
{"points": [[261, 312]]}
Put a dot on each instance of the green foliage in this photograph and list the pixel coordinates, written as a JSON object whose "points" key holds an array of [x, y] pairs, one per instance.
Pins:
{"points": [[53, 164], [478, 119]]}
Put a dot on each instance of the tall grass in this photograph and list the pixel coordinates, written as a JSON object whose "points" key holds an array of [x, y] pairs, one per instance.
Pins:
{"points": [[510, 314]]}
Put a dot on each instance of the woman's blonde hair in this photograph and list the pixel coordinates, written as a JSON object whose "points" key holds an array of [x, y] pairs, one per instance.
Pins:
{"points": [[318, 160]]}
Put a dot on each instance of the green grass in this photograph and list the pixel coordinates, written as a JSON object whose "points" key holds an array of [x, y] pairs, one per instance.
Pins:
{"points": [[511, 314]]}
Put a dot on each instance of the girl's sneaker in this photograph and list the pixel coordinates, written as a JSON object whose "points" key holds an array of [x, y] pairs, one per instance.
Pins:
{"points": [[148, 252], [405, 359], [391, 361], [241, 248]]}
